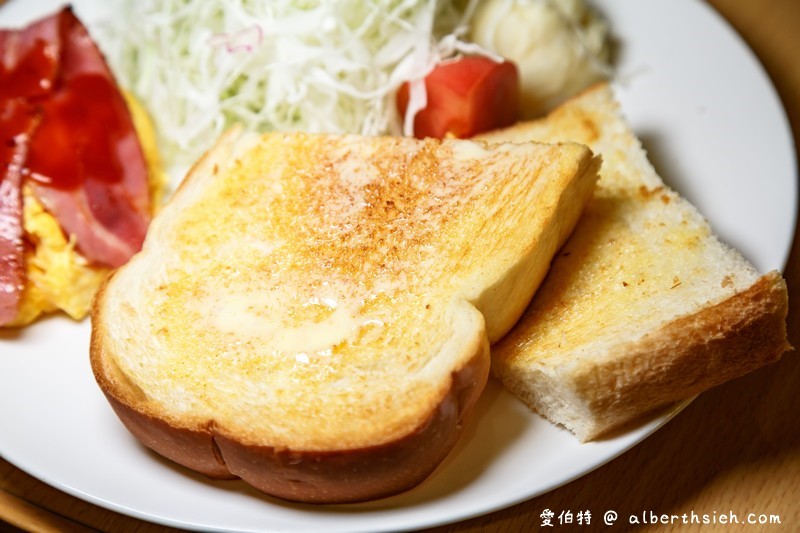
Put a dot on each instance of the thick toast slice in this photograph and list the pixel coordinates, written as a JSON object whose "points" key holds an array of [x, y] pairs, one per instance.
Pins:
{"points": [[643, 306], [313, 313]]}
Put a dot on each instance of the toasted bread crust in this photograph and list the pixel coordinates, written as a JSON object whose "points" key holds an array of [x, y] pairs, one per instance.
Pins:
{"points": [[688, 356], [297, 475], [340, 380], [366, 473], [652, 342]]}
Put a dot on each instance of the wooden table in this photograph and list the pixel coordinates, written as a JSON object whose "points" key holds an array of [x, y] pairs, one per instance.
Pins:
{"points": [[700, 462]]}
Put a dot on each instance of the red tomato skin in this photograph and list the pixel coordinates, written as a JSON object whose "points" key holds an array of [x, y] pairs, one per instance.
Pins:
{"points": [[466, 96]]}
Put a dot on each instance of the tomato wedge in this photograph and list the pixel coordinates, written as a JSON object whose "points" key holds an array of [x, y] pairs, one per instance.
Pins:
{"points": [[466, 96]]}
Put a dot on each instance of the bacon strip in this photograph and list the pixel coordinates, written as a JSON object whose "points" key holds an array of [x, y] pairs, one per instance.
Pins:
{"points": [[16, 123], [65, 130], [86, 163], [29, 60]]}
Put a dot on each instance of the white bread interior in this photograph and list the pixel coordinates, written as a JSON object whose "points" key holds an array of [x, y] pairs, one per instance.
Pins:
{"points": [[313, 313], [644, 305]]}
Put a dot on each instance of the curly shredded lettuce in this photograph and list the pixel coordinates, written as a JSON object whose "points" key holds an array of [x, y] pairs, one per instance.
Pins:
{"points": [[313, 65]]}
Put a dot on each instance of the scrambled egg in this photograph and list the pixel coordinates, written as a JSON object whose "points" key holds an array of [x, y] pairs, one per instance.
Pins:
{"points": [[58, 277]]}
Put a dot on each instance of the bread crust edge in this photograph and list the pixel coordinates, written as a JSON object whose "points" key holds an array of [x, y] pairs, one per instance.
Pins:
{"points": [[686, 357], [307, 476]]}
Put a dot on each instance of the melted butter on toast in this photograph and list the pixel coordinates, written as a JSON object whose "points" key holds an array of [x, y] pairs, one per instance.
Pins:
{"points": [[313, 280]]}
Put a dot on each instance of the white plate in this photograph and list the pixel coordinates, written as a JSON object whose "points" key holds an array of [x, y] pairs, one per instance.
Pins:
{"points": [[716, 131]]}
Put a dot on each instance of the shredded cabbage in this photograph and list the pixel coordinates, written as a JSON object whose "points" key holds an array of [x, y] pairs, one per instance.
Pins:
{"points": [[316, 65]]}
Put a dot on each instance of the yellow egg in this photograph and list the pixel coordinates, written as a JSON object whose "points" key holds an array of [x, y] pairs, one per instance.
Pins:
{"points": [[157, 177], [58, 277]]}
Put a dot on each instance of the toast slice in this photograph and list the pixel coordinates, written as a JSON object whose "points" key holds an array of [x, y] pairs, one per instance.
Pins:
{"points": [[313, 313], [643, 306]]}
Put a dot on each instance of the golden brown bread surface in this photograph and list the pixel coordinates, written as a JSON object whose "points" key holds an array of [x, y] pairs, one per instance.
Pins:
{"points": [[313, 313], [643, 306]]}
